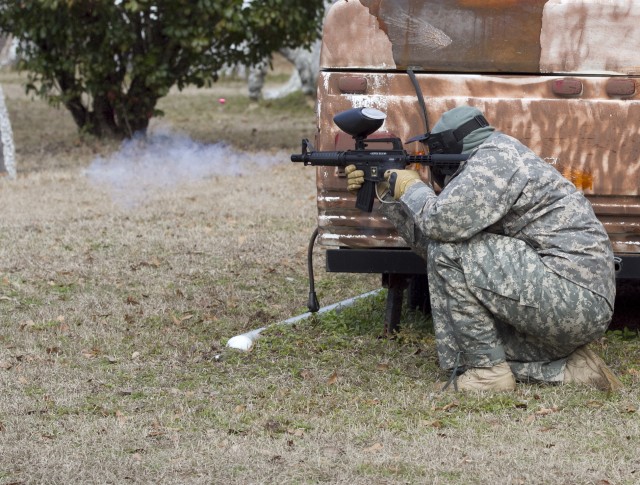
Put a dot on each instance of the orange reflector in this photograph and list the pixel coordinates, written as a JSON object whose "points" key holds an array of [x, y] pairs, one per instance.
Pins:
{"points": [[581, 179]]}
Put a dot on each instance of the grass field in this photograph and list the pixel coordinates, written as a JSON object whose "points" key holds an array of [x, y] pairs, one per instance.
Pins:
{"points": [[125, 269]]}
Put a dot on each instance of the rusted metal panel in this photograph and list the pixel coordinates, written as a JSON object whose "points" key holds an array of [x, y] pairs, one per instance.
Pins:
{"points": [[557, 74], [621, 218], [591, 138], [462, 35], [496, 36]]}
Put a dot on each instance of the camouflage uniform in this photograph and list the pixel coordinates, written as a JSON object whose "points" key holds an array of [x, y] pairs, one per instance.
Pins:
{"points": [[519, 267]]}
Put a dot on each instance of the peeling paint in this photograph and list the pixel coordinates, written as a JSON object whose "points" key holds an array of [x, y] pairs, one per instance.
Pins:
{"points": [[351, 32], [418, 31], [590, 37]]}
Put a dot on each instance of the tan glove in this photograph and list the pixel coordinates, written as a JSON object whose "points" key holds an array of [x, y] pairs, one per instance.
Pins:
{"points": [[400, 180], [355, 178]]}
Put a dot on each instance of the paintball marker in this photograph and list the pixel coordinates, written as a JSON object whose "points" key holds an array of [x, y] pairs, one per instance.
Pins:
{"points": [[360, 123]]}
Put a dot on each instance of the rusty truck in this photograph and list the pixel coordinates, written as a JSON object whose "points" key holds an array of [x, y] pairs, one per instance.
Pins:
{"points": [[559, 75]]}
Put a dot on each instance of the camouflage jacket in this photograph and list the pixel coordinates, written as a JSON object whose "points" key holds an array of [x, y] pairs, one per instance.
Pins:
{"points": [[504, 188]]}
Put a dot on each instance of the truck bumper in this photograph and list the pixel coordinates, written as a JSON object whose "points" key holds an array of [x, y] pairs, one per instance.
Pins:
{"points": [[376, 260], [406, 262]]}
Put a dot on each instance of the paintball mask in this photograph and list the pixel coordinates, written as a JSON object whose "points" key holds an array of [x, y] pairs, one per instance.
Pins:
{"points": [[450, 141], [448, 135]]}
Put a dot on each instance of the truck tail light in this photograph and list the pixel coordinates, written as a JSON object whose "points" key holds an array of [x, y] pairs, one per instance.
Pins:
{"points": [[622, 88], [566, 87], [352, 84]]}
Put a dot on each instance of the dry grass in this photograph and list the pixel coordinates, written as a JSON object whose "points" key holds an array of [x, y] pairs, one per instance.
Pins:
{"points": [[113, 322]]}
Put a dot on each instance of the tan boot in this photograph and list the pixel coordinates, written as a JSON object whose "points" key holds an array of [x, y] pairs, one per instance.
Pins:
{"points": [[496, 378], [585, 367]]}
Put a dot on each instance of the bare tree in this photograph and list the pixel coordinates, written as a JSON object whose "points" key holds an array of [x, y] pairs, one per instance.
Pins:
{"points": [[304, 77]]}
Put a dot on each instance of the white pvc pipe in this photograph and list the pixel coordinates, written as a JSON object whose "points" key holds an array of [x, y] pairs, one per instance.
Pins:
{"points": [[246, 340]]}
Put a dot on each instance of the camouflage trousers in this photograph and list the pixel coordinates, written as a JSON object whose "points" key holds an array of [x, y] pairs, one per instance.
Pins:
{"points": [[493, 299]]}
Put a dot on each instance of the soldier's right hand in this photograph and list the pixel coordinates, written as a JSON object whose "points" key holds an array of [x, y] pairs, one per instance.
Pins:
{"points": [[355, 178]]}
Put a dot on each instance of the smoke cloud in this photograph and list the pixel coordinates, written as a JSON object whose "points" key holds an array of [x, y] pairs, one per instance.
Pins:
{"points": [[163, 160]]}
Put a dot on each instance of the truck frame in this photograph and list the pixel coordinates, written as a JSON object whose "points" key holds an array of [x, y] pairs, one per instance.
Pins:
{"points": [[559, 75]]}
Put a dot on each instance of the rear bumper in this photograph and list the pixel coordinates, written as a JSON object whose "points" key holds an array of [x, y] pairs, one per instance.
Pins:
{"points": [[628, 267], [377, 260], [405, 261]]}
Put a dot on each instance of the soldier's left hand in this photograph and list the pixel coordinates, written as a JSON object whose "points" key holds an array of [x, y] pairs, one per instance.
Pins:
{"points": [[355, 178]]}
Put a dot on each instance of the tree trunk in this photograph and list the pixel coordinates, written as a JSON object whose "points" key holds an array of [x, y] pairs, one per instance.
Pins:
{"points": [[77, 110], [114, 115], [103, 118], [140, 104]]}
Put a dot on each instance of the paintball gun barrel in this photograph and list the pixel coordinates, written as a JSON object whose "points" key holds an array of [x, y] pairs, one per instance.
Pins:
{"points": [[360, 123]]}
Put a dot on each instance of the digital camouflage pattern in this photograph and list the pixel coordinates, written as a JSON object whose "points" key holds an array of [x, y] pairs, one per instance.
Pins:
{"points": [[519, 267]]}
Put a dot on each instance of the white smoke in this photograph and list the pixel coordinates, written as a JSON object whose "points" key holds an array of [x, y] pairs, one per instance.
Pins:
{"points": [[163, 160]]}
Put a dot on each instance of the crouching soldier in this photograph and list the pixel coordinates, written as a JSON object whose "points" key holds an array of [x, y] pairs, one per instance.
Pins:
{"points": [[521, 272]]}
